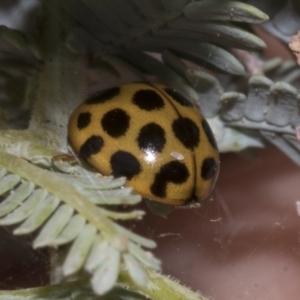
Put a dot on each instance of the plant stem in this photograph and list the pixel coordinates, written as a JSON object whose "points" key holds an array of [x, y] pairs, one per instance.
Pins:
{"points": [[62, 79]]}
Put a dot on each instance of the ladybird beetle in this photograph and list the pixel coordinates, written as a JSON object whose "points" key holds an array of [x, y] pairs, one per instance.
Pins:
{"points": [[152, 135]]}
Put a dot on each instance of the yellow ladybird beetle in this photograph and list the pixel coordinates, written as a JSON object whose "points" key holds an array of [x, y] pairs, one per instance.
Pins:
{"points": [[152, 135]]}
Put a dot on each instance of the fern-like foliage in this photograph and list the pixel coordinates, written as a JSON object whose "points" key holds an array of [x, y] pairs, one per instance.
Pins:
{"points": [[197, 31], [271, 108], [110, 40], [118, 34], [64, 207]]}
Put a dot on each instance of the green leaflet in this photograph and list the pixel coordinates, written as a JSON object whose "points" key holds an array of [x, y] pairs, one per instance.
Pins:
{"points": [[224, 10], [223, 34], [204, 54], [20, 40]]}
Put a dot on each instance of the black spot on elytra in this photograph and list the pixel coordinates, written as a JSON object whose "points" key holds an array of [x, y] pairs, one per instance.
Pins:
{"points": [[152, 138], [148, 100], [124, 164], [103, 96], [115, 122], [174, 171], [209, 134], [187, 132], [209, 168], [178, 97], [84, 119], [92, 145]]}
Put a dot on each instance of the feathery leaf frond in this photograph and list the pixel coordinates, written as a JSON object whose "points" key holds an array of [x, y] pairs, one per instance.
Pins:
{"points": [[59, 205]]}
